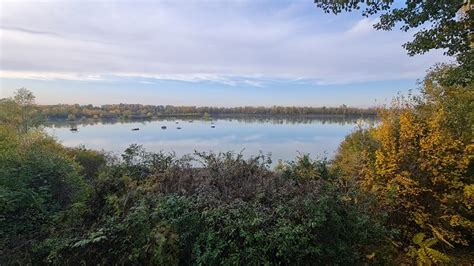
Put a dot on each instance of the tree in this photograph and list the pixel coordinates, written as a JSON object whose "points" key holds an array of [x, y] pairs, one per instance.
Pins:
{"points": [[419, 163], [25, 101], [446, 24], [20, 111]]}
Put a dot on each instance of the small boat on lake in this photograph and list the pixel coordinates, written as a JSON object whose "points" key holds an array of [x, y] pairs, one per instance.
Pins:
{"points": [[163, 127], [213, 126], [135, 129], [73, 129], [190, 121], [178, 128]]}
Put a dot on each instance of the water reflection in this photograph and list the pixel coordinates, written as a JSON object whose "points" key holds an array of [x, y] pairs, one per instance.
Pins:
{"points": [[282, 137], [322, 119]]}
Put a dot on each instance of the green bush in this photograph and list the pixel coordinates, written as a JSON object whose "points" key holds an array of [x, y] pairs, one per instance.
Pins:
{"points": [[38, 183], [228, 211]]}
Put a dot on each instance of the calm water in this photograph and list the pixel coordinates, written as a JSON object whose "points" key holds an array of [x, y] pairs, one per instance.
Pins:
{"points": [[283, 138]]}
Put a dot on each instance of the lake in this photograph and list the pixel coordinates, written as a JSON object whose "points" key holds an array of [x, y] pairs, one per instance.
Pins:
{"points": [[283, 138]]}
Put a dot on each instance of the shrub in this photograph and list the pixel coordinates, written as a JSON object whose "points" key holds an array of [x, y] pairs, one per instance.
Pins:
{"points": [[38, 182]]}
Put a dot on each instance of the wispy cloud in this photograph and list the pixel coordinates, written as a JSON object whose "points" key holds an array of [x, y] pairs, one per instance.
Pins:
{"points": [[50, 75], [229, 42]]}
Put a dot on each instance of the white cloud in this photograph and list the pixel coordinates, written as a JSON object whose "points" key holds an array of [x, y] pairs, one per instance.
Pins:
{"points": [[230, 42], [362, 27]]}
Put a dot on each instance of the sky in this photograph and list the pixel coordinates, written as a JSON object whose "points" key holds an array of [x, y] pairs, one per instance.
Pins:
{"points": [[215, 53]]}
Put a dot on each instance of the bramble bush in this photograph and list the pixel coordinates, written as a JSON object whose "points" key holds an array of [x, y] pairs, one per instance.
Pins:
{"points": [[228, 211]]}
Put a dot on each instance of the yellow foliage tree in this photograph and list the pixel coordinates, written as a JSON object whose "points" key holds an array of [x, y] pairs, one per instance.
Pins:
{"points": [[421, 170], [420, 162]]}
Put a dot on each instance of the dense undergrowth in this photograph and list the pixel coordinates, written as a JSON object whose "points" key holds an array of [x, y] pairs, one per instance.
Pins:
{"points": [[399, 192]]}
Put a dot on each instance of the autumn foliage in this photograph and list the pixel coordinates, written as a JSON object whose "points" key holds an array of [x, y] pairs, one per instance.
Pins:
{"points": [[419, 162]]}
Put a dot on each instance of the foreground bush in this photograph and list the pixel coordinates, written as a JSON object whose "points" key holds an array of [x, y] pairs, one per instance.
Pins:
{"points": [[74, 206], [38, 184], [155, 209]]}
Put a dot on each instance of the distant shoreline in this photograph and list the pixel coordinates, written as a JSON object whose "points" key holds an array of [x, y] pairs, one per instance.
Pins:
{"points": [[341, 119]]}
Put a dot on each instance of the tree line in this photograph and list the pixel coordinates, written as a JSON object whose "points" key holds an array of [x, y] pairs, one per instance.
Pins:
{"points": [[76, 111]]}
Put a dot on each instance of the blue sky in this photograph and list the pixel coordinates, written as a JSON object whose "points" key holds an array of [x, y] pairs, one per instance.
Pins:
{"points": [[220, 53]]}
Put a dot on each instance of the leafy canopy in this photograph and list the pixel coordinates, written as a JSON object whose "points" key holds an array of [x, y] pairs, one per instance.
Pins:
{"points": [[441, 24]]}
